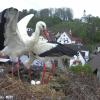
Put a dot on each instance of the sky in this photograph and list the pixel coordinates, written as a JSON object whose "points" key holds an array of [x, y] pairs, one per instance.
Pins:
{"points": [[78, 6]]}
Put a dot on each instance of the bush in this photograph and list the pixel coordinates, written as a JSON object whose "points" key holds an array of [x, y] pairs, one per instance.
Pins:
{"points": [[86, 69]]}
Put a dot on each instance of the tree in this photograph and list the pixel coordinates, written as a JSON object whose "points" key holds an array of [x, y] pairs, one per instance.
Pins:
{"points": [[22, 13], [69, 14], [44, 13], [32, 11], [64, 13], [51, 12]]}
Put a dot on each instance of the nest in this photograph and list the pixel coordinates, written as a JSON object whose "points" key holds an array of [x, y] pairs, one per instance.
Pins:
{"points": [[19, 90], [64, 85]]}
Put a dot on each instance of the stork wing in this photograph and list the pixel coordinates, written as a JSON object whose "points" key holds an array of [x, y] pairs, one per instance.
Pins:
{"points": [[58, 51], [22, 25], [11, 26], [43, 48]]}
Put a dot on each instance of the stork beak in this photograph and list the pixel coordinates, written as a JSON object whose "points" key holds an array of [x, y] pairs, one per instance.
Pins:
{"points": [[46, 35]]}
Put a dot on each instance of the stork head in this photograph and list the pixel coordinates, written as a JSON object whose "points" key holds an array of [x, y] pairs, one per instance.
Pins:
{"points": [[43, 29], [41, 25]]}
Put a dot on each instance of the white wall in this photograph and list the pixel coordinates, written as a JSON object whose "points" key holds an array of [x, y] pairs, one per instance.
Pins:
{"points": [[98, 49], [80, 57], [71, 61], [77, 58]]}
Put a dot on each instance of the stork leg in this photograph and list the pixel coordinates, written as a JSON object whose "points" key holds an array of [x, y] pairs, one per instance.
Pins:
{"points": [[17, 66], [53, 68], [12, 69], [29, 74], [52, 71], [43, 73]]}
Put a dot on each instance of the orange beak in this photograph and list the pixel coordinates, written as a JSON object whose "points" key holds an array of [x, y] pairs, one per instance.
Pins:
{"points": [[46, 35]]}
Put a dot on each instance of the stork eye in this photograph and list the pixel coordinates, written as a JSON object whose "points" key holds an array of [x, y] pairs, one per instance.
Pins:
{"points": [[42, 26]]}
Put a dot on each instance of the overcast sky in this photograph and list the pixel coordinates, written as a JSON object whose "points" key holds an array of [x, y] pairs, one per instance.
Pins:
{"points": [[78, 6]]}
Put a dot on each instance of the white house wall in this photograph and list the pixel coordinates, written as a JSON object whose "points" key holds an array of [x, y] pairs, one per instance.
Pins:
{"points": [[75, 58], [80, 57], [71, 61], [98, 49]]}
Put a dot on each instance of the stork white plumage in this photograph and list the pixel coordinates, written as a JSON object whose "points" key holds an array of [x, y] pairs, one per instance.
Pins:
{"points": [[30, 40]]}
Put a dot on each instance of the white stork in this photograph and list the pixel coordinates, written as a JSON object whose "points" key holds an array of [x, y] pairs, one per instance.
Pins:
{"points": [[42, 48]]}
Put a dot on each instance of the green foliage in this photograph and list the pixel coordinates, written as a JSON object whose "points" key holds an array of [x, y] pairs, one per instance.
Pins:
{"points": [[44, 13], [50, 21], [86, 69], [62, 20], [90, 46], [78, 28], [97, 36]]}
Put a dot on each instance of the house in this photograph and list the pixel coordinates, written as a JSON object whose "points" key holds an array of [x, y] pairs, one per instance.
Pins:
{"points": [[67, 38], [81, 58], [64, 39]]}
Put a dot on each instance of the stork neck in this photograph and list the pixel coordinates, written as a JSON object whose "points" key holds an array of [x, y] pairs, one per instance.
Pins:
{"points": [[37, 34]]}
